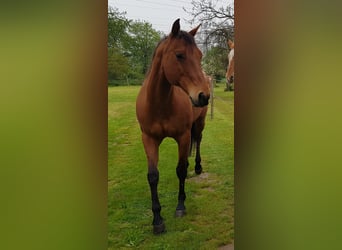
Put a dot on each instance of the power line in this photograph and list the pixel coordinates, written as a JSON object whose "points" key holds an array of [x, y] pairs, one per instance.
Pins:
{"points": [[158, 3], [141, 6], [161, 15], [127, 3]]}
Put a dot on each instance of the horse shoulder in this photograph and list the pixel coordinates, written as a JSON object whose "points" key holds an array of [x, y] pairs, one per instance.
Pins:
{"points": [[182, 103], [199, 113]]}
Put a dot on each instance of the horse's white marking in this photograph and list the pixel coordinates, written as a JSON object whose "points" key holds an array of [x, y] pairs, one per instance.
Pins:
{"points": [[230, 55]]}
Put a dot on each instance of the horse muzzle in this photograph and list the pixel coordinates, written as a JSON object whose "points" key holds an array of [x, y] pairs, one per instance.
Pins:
{"points": [[202, 100]]}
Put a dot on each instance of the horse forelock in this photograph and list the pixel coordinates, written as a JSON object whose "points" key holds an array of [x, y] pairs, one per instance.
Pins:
{"points": [[189, 39]]}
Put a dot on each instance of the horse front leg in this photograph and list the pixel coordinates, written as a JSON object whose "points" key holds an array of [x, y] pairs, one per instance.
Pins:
{"points": [[151, 149], [182, 170]]}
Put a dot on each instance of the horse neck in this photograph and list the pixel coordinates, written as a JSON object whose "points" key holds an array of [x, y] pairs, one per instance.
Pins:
{"points": [[159, 90]]}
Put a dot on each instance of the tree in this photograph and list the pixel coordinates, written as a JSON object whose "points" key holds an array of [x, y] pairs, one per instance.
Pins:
{"points": [[130, 47], [143, 39], [217, 19], [117, 27], [118, 65], [213, 61]]}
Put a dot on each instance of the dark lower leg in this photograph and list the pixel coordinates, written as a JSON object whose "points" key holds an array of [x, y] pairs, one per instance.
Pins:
{"points": [[153, 178], [181, 170], [227, 85], [198, 166]]}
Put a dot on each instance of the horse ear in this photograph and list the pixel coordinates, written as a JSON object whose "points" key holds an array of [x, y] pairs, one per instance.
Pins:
{"points": [[175, 28], [194, 30]]}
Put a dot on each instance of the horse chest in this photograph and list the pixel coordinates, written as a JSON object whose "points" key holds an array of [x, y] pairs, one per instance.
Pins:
{"points": [[170, 126]]}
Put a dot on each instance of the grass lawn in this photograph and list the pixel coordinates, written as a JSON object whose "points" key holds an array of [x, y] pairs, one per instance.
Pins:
{"points": [[209, 222]]}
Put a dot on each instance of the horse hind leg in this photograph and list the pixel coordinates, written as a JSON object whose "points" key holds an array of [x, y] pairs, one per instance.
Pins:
{"points": [[198, 166], [196, 134], [182, 170]]}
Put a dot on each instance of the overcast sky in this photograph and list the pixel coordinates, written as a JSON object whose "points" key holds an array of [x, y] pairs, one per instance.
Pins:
{"points": [[160, 13]]}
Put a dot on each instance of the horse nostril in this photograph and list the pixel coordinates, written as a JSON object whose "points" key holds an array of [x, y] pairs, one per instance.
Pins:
{"points": [[202, 99]]}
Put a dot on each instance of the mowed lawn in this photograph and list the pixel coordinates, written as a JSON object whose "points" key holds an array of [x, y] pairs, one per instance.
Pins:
{"points": [[209, 222]]}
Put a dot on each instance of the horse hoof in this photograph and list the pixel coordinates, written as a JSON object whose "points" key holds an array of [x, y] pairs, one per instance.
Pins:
{"points": [[180, 212], [198, 170], [158, 229]]}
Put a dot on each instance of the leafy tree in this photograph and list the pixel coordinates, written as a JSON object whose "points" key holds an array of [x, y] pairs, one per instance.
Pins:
{"points": [[213, 62], [130, 47], [118, 66], [117, 28], [143, 39]]}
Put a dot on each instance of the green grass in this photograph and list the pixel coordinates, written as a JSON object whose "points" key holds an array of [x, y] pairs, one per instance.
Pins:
{"points": [[209, 222]]}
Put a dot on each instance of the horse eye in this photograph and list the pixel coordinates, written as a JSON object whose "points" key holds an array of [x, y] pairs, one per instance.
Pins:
{"points": [[180, 56]]}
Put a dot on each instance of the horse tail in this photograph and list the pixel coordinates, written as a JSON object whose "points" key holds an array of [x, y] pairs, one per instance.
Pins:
{"points": [[192, 149]]}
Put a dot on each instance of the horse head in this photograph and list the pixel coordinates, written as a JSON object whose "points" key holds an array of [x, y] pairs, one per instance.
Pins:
{"points": [[181, 64]]}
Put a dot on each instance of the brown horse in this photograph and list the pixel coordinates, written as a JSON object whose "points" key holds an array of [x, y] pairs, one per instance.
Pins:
{"points": [[172, 103], [230, 68]]}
